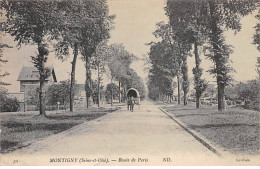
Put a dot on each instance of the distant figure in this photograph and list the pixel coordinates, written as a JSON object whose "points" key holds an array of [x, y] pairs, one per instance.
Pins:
{"points": [[130, 103], [138, 103]]}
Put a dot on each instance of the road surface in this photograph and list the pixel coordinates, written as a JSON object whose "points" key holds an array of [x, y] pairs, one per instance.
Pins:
{"points": [[143, 137]]}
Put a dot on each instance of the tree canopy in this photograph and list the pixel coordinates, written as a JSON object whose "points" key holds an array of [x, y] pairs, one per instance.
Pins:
{"points": [[210, 18]]}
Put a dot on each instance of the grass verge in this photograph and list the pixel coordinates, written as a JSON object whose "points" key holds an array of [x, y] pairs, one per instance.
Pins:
{"points": [[21, 127], [236, 130]]}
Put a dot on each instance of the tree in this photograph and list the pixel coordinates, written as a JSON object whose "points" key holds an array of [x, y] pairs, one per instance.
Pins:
{"points": [[29, 22], [98, 63], [111, 89], [32, 96], [84, 23], [59, 93], [186, 29], [215, 16], [179, 45], [94, 31], [256, 37], [98, 91], [183, 54], [258, 71], [119, 60], [135, 81], [248, 92], [162, 71], [8, 104], [256, 41], [166, 62], [68, 35], [200, 84], [153, 90], [188, 24], [2, 46]]}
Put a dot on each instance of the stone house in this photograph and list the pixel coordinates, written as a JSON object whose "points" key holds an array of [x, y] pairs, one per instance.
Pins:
{"points": [[31, 76]]}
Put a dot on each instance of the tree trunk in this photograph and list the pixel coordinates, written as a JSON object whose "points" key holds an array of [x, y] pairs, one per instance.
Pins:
{"points": [[98, 87], [215, 37], [196, 53], [119, 95], [197, 102], [259, 93], [179, 90], [88, 84], [87, 101], [42, 96], [42, 81], [185, 79], [197, 75], [258, 70], [221, 97], [259, 99], [185, 98], [72, 81], [123, 94], [112, 92]]}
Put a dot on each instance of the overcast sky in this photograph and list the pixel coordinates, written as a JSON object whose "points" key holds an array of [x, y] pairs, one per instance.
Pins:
{"points": [[135, 21]]}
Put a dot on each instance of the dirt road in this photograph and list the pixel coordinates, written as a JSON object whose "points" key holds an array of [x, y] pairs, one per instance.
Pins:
{"points": [[143, 137]]}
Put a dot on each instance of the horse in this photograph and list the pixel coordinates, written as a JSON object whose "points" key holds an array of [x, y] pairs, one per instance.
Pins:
{"points": [[130, 103]]}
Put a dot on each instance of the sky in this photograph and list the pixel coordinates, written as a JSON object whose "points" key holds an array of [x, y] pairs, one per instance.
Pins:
{"points": [[135, 21]]}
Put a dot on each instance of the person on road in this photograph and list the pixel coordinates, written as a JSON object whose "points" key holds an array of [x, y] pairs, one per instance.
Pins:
{"points": [[130, 103]]}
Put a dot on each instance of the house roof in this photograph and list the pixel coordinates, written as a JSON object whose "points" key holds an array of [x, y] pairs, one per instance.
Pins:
{"points": [[32, 74]]}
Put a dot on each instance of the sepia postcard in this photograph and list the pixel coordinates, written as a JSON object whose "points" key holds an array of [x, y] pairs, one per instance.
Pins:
{"points": [[130, 83]]}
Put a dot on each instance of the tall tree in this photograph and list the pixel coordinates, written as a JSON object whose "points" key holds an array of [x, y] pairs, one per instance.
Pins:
{"points": [[258, 71], [188, 21], [84, 23], [29, 22], [163, 68], [119, 63], [71, 19], [200, 84], [135, 81], [94, 31], [2, 46], [257, 42], [216, 15], [185, 79], [59, 93], [171, 51], [111, 88], [257, 30], [98, 91], [180, 47], [98, 63], [3, 74]]}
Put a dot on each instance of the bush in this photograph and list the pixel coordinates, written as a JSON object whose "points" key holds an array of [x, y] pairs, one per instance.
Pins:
{"points": [[229, 102], [248, 104], [10, 105], [239, 102]]}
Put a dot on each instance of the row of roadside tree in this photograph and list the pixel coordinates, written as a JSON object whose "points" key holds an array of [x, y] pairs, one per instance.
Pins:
{"points": [[81, 26], [193, 26]]}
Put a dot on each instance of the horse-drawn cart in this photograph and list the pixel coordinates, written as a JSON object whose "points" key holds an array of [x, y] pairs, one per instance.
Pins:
{"points": [[133, 97]]}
